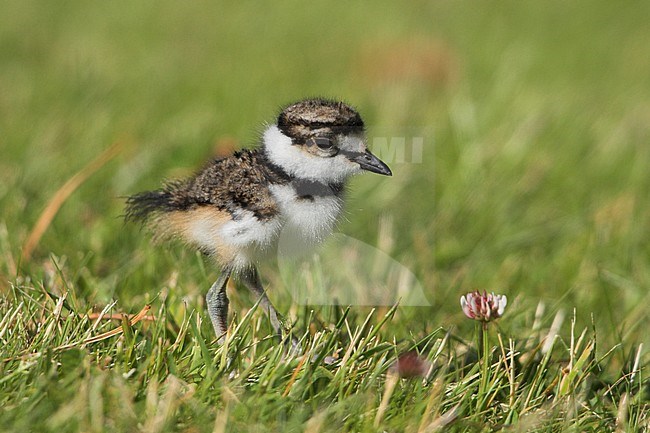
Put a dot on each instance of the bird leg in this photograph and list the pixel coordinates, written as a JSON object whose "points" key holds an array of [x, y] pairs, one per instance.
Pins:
{"points": [[217, 301], [251, 279]]}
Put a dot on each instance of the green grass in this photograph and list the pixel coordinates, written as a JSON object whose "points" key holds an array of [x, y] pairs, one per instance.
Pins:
{"points": [[533, 183]]}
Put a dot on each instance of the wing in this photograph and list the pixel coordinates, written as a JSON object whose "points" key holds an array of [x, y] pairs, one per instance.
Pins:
{"points": [[232, 184]]}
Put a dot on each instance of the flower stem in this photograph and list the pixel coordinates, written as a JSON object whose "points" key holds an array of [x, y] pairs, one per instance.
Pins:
{"points": [[484, 351]]}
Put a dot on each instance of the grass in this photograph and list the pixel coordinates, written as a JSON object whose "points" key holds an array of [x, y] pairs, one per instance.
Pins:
{"points": [[532, 183]]}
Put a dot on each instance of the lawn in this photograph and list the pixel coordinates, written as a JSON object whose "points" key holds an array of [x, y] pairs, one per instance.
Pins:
{"points": [[518, 136]]}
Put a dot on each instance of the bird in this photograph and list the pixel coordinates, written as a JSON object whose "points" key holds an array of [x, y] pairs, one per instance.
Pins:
{"points": [[283, 196]]}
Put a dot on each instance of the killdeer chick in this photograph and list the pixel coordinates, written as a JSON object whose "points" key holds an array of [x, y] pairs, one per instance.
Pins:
{"points": [[237, 209]]}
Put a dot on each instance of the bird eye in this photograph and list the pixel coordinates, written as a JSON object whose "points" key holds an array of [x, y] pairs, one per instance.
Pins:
{"points": [[323, 142]]}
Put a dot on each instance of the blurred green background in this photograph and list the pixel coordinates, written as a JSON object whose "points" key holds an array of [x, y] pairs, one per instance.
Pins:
{"points": [[535, 118]]}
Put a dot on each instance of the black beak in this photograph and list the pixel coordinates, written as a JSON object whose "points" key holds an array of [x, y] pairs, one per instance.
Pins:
{"points": [[370, 162]]}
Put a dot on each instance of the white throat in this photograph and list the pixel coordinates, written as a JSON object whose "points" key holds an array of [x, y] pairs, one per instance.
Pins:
{"points": [[294, 161]]}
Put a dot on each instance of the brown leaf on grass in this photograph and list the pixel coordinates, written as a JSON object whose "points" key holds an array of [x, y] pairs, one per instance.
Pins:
{"points": [[294, 375], [62, 195], [224, 146], [117, 316], [131, 320], [417, 59]]}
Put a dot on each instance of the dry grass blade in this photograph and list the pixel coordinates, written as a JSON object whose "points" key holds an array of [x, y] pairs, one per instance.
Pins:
{"points": [[62, 194], [444, 420], [389, 388], [132, 321], [294, 375], [116, 316]]}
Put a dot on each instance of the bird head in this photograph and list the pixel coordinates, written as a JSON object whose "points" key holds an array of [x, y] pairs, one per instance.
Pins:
{"points": [[321, 140]]}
